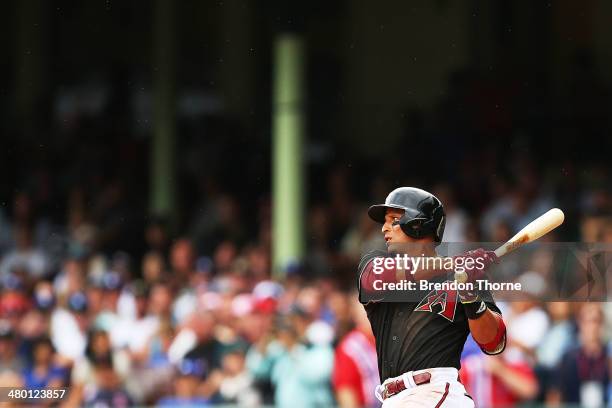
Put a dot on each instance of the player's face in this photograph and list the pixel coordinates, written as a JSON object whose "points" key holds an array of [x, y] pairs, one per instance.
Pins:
{"points": [[393, 233]]}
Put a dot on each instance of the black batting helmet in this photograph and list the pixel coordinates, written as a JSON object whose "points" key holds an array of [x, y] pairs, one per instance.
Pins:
{"points": [[423, 212]]}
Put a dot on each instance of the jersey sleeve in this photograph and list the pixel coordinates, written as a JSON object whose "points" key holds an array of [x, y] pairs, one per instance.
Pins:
{"points": [[373, 273], [366, 278]]}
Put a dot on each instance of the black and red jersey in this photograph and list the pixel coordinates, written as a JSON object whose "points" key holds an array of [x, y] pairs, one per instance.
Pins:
{"points": [[410, 335]]}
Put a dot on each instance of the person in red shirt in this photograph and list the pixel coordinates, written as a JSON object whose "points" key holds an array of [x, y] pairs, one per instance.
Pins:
{"points": [[355, 372], [499, 381]]}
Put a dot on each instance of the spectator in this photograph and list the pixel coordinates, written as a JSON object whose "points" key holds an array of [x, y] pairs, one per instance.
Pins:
{"points": [[10, 361], [71, 278], [98, 348], [298, 361], [555, 343], [25, 257], [44, 372], [223, 257], [527, 322], [236, 383], [69, 327], [207, 347], [107, 390], [355, 364], [158, 346], [182, 262], [509, 378], [35, 323], [186, 386], [14, 302], [583, 374], [135, 331], [153, 268], [498, 381], [108, 317], [151, 368]]}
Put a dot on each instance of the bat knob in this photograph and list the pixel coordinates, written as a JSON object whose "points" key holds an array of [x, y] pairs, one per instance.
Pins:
{"points": [[461, 277]]}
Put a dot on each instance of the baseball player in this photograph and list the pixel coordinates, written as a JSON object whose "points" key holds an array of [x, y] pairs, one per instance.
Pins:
{"points": [[419, 343]]}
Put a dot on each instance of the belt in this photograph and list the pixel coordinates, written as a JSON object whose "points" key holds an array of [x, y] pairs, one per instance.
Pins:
{"points": [[397, 386]]}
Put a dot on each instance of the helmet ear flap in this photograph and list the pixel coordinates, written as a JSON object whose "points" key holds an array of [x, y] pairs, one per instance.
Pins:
{"points": [[412, 227], [418, 228]]}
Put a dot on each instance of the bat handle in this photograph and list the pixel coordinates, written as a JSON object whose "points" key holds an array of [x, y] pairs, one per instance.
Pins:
{"points": [[501, 251]]}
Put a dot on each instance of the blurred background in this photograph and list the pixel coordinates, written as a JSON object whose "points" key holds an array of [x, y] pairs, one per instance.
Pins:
{"points": [[183, 188]]}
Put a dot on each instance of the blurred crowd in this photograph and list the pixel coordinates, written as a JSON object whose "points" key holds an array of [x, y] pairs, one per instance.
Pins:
{"points": [[182, 325], [128, 309]]}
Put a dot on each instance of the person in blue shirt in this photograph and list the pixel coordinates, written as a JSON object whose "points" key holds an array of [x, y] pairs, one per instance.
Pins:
{"points": [[190, 373], [43, 372]]}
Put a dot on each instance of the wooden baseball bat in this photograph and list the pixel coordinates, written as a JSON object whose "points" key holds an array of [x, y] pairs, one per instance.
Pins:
{"points": [[532, 231]]}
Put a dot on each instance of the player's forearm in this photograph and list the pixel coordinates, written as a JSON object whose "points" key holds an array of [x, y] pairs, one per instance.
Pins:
{"points": [[484, 329], [488, 330]]}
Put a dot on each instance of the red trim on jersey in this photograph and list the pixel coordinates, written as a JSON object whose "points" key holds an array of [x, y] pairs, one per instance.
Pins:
{"points": [[439, 404], [368, 277], [494, 344]]}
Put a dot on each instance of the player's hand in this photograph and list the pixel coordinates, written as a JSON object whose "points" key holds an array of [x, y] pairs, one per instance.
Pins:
{"points": [[475, 270], [481, 260], [489, 257], [469, 296]]}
